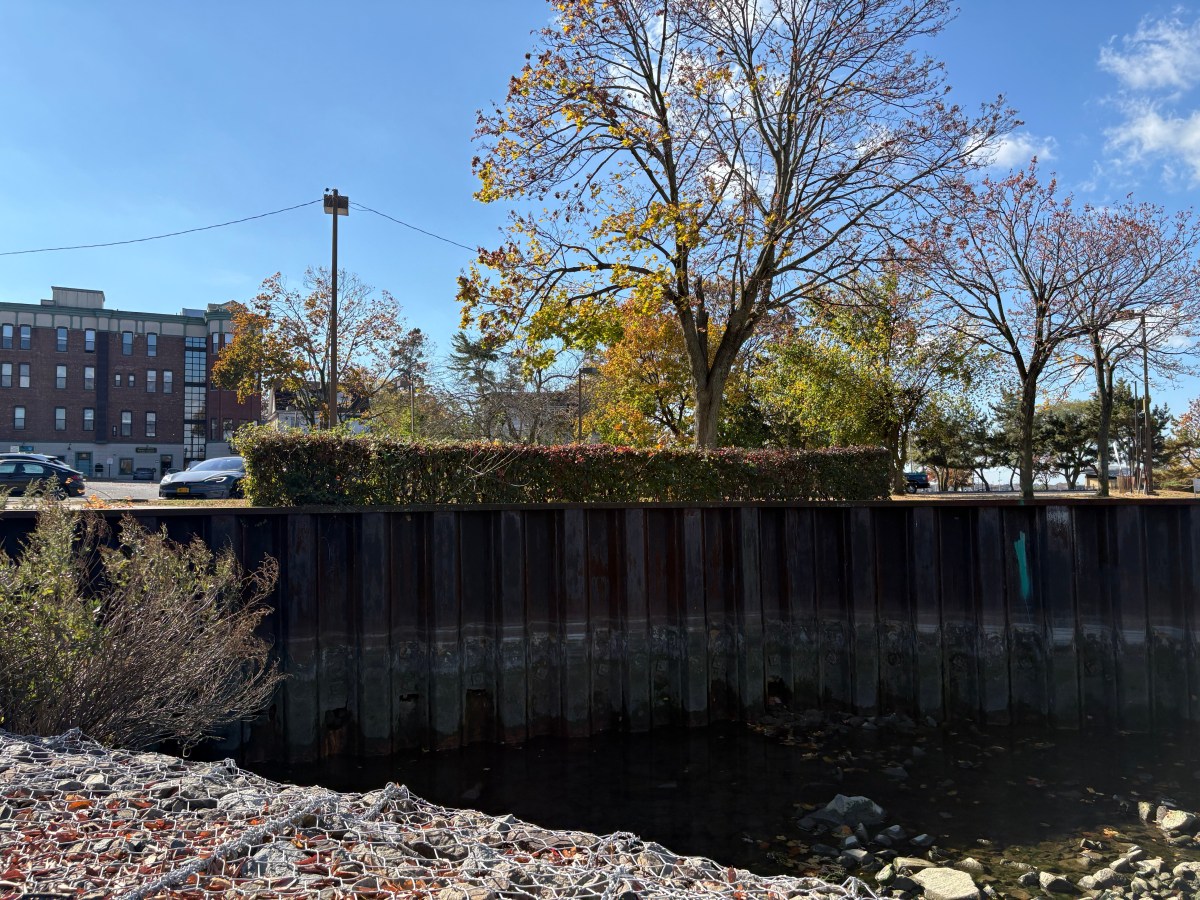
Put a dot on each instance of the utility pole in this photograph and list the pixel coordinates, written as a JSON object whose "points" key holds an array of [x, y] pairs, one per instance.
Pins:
{"points": [[1148, 442], [335, 205], [412, 407]]}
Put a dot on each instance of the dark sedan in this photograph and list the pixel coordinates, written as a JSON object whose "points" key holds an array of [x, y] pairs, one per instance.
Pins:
{"points": [[19, 475], [219, 478]]}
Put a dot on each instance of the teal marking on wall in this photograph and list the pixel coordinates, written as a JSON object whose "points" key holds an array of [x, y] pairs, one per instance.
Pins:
{"points": [[1023, 567]]}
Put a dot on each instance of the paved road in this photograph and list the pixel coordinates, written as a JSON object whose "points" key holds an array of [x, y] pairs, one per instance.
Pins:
{"points": [[122, 490]]}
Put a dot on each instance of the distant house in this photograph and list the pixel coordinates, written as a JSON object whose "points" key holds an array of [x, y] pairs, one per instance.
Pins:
{"points": [[284, 411], [1091, 480]]}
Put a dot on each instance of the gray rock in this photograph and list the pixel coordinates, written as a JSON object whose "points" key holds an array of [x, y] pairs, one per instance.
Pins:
{"points": [[1086, 883], [946, 884], [1141, 885], [1146, 810], [1177, 820], [1147, 867], [850, 842], [1056, 884], [1028, 879], [275, 861], [969, 865], [843, 810], [886, 874], [911, 863], [894, 833], [921, 841], [1137, 854], [1185, 867], [897, 772], [1121, 864], [1107, 878], [854, 859]]}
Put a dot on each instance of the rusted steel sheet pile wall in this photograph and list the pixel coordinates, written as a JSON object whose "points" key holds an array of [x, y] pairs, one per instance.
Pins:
{"points": [[403, 629]]}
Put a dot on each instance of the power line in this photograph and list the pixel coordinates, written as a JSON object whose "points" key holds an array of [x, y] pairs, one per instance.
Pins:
{"points": [[158, 237], [414, 227]]}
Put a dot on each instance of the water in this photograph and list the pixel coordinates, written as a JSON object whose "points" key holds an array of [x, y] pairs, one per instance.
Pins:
{"points": [[735, 793]]}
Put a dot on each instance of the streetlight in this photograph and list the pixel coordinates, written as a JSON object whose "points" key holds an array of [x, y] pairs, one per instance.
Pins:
{"points": [[335, 205], [1148, 444], [583, 370]]}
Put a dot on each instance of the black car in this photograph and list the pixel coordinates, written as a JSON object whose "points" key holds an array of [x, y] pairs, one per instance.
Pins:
{"points": [[219, 478], [916, 481], [19, 475]]}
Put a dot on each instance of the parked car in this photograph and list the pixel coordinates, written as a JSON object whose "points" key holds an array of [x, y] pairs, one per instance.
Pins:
{"points": [[916, 481], [19, 475], [143, 473], [218, 478]]}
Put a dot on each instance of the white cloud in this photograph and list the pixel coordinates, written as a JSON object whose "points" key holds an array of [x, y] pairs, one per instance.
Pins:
{"points": [[1148, 134], [1014, 151], [1163, 53]]}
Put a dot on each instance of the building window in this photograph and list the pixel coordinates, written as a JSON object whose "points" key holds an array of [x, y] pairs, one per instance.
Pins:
{"points": [[194, 366], [168, 378], [61, 340], [89, 378], [89, 419], [19, 418], [131, 380], [226, 429], [151, 424], [126, 423], [60, 418], [23, 375], [116, 379], [212, 433], [152, 344], [126, 343], [151, 381], [89, 340], [227, 339], [194, 399], [25, 337], [216, 339], [5, 374], [60, 377], [6, 337]]}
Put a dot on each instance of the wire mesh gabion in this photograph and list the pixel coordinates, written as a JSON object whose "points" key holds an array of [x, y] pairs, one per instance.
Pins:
{"points": [[79, 820]]}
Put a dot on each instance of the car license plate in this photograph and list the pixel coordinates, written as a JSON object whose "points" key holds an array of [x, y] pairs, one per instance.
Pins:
{"points": [[183, 490]]}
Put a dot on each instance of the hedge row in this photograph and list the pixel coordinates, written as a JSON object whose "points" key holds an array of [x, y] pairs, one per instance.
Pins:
{"points": [[294, 469]]}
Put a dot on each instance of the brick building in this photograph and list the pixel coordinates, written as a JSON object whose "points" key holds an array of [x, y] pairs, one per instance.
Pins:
{"points": [[111, 391]]}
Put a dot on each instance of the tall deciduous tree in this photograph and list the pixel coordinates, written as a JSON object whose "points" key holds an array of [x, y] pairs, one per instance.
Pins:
{"points": [[726, 159], [1146, 270], [281, 341], [1005, 258]]}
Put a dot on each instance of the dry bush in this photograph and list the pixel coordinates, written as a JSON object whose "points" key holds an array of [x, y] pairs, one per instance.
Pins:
{"points": [[135, 644]]}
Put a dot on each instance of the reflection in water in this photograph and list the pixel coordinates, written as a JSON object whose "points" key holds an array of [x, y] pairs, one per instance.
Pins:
{"points": [[735, 795]]}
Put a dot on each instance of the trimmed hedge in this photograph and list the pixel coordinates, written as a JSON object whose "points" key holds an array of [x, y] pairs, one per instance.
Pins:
{"points": [[295, 469]]}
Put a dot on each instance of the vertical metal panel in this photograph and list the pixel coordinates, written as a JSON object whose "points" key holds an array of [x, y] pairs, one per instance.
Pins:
{"points": [[1191, 608], [445, 653], [833, 607], [804, 633], [864, 608], [897, 638], [374, 700], [1129, 614], [576, 667], [776, 624], [478, 590], [664, 580], [1093, 597], [263, 738], [408, 604], [924, 563], [695, 678], [960, 627], [720, 588], [299, 613], [636, 625], [751, 678], [513, 662], [604, 574], [338, 618], [993, 617], [1028, 660], [542, 629], [1166, 618], [1058, 588]]}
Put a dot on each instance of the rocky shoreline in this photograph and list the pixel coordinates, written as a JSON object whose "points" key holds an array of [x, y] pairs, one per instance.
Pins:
{"points": [[80, 821], [854, 834]]}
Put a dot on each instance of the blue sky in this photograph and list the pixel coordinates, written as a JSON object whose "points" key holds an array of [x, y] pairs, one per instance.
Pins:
{"points": [[132, 119]]}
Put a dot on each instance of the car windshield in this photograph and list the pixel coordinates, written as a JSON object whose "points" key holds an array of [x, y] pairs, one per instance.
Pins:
{"points": [[221, 464]]}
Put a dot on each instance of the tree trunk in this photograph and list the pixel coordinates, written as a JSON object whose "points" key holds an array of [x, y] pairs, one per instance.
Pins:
{"points": [[1104, 390], [708, 413], [1028, 408]]}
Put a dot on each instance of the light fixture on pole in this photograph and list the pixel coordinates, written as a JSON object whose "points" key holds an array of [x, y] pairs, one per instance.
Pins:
{"points": [[583, 370], [1148, 441], [335, 205]]}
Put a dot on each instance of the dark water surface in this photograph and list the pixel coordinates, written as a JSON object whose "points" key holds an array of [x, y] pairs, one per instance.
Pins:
{"points": [[735, 794]]}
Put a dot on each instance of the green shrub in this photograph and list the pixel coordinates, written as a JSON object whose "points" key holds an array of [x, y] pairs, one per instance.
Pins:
{"points": [[291, 469], [136, 643]]}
